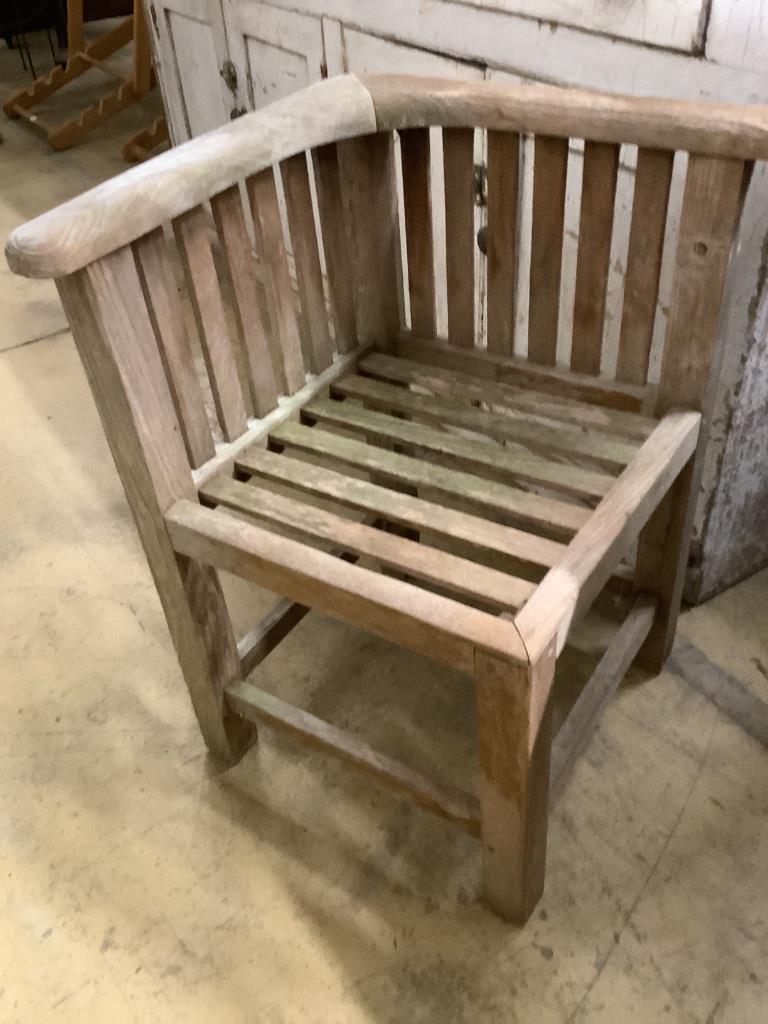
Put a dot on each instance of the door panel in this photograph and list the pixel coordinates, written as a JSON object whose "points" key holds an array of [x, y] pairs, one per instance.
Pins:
{"points": [[673, 24], [274, 51], [190, 45]]}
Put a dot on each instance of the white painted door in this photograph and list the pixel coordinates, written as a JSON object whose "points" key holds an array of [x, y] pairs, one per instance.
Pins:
{"points": [[191, 50], [673, 24], [275, 51], [361, 53]]}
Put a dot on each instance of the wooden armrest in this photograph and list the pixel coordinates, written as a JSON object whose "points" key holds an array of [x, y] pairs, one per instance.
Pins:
{"points": [[128, 206], [716, 129], [570, 587]]}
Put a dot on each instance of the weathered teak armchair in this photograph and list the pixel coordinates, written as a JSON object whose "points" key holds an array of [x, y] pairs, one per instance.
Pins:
{"points": [[477, 502]]}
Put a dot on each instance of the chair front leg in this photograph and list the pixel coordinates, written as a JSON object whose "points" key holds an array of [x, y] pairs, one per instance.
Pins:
{"points": [[662, 560], [514, 739]]}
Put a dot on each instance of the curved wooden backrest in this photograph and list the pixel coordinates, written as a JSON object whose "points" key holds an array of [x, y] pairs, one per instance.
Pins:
{"points": [[318, 187], [132, 204]]}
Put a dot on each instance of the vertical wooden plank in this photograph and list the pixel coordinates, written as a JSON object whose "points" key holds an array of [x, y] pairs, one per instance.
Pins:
{"points": [[598, 195], [142, 55], [191, 230], [550, 163], [458, 166], [653, 178], [417, 202], [75, 27], [228, 213], [167, 319], [113, 333], [309, 275], [712, 203], [262, 193], [503, 197], [335, 245], [367, 167], [514, 738]]}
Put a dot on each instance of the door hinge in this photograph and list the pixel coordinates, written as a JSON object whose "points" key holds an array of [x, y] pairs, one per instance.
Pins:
{"points": [[229, 74]]}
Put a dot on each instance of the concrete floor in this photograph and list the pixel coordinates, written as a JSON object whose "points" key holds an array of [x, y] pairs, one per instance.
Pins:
{"points": [[142, 886]]}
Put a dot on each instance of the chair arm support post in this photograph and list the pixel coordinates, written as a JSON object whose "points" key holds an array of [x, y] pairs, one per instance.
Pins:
{"points": [[570, 587]]}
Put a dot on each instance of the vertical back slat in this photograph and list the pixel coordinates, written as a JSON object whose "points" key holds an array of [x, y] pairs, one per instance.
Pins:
{"points": [[333, 224], [230, 223], [598, 195], [262, 193], [167, 318], [458, 159], [711, 206], [368, 173], [653, 178], [318, 352], [415, 151], [191, 230], [550, 163], [503, 194]]}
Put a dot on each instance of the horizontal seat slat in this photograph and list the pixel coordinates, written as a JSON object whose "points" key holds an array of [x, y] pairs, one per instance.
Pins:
{"points": [[519, 465], [520, 402], [257, 706], [447, 631], [558, 517], [512, 370], [460, 575], [398, 507], [599, 451]]}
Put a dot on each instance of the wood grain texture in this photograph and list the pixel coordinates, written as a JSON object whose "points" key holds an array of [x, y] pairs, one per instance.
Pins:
{"points": [[368, 176], [514, 749], [417, 205], [576, 731], [556, 518], [193, 241], [228, 214], [144, 197], [717, 129], [336, 245], [445, 630], [598, 194], [458, 160], [254, 704], [114, 336], [577, 446], [653, 178], [522, 402], [550, 165], [173, 342], [572, 585], [318, 350], [521, 372], [262, 194], [458, 575], [503, 197], [476, 455], [711, 205], [398, 507]]}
